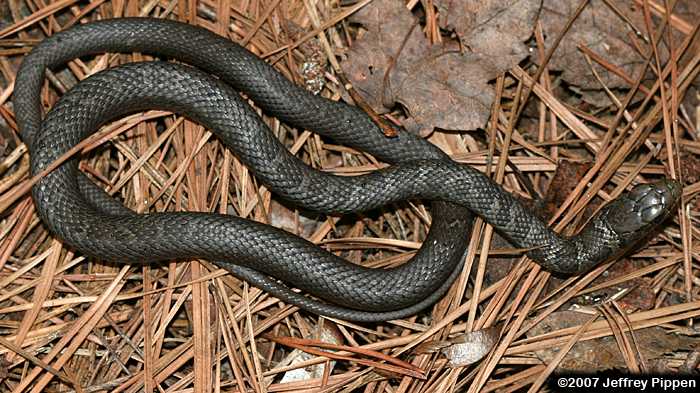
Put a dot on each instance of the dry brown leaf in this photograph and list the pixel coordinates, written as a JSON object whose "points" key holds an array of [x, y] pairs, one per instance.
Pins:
{"points": [[448, 91], [603, 353], [495, 29], [607, 34], [439, 86], [388, 23], [301, 223], [600, 29], [464, 349]]}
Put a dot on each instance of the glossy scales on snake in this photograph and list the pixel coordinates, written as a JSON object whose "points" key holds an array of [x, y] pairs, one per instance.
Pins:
{"points": [[86, 218]]}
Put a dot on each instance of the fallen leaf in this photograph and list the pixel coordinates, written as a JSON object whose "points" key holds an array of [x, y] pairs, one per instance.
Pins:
{"points": [[388, 23], [608, 35], [601, 30], [439, 85], [565, 180], [495, 29], [448, 91], [603, 353], [298, 222], [464, 349]]}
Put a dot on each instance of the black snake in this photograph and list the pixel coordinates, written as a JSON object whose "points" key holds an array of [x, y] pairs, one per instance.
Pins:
{"points": [[85, 217]]}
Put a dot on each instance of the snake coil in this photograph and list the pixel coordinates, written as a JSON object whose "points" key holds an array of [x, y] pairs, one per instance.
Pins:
{"points": [[85, 217]]}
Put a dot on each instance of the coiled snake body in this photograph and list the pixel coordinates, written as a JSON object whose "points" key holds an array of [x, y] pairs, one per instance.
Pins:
{"points": [[86, 218]]}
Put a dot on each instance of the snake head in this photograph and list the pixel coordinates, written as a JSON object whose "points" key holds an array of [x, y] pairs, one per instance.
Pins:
{"points": [[636, 213]]}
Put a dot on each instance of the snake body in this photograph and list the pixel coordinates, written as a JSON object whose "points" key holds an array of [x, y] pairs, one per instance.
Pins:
{"points": [[85, 217]]}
